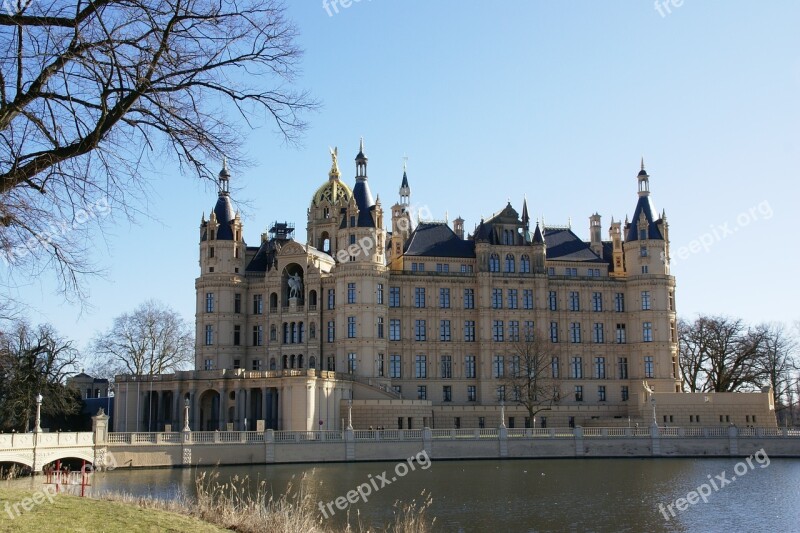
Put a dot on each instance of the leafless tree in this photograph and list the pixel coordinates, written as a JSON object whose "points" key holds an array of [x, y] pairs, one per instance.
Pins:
{"points": [[530, 378], [154, 339], [777, 360], [34, 360], [96, 94]]}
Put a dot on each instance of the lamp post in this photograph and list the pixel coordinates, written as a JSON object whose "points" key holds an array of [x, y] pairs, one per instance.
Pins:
{"points": [[350, 413], [110, 395], [186, 415], [38, 428], [653, 401], [502, 413]]}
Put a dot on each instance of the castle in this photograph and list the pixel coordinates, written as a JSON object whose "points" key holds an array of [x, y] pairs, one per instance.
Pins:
{"points": [[420, 326]]}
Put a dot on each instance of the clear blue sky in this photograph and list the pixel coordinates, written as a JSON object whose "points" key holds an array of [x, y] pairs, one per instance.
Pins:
{"points": [[496, 100]]}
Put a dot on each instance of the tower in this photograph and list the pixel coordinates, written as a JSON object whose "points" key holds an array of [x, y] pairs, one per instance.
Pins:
{"points": [[595, 230], [645, 246], [401, 221]]}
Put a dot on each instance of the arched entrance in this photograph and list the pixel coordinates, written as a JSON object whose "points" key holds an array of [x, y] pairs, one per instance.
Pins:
{"points": [[209, 411]]}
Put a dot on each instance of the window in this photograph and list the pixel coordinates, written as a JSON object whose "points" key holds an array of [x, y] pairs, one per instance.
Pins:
{"points": [[422, 393], [394, 329], [380, 327], [571, 272], [469, 366], [447, 393], [552, 301], [527, 299], [513, 367], [444, 330], [469, 331], [644, 269], [619, 302], [471, 393], [494, 263], [512, 299], [442, 267], [576, 368], [444, 298], [621, 338], [394, 296], [379, 297], [597, 333], [258, 335], [419, 330], [211, 252], [593, 272], [419, 296], [380, 365], [237, 335], [509, 266], [529, 331], [331, 298], [601, 393], [624, 392], [351, 363], [647, 331], [551, 271], [331, 331], [258, 304], [575, 332], [645, 300], [351, 293], [351, 327], [643, 251], [648, 367], [525, 264], [497, 298], [553, 331], [497, 366], [578, 393], [597, 301], [469, 298], [273, 333], [209, 335], [600, 368], [256, 364], [671, 301], [574, 301], [513, 330], [554, 370], [208, 364], [466, 269], [420, 367], [497, 330], [209, 302], [622, 364], [447, 367], [394, 367], [237, 303], [501, 393]]}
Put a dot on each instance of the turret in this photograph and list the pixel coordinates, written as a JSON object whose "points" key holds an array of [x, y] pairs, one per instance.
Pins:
{"points": [[645, 241], [539, 250], [595, 230], [222, 247]]}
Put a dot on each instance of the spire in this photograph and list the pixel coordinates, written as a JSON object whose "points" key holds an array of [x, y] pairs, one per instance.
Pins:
{"points": [[224, 177], [361, 162], [525, 218], [644, 181], [538, 237], [405, 189], [334, 172]]}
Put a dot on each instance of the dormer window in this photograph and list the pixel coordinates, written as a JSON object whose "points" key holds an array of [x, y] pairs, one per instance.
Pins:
{"points": [[643, 251], [326, 213], [352, 221], [211, 235], [642, 234]]}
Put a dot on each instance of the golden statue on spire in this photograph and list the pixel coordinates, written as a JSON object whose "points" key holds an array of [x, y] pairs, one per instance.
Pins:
{"points": [[334, 173]]}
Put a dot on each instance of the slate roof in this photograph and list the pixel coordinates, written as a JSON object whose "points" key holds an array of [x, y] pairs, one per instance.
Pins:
{"points": [[643, 206], [225, 215], [436, 239], [564, 245], [365, 203]]}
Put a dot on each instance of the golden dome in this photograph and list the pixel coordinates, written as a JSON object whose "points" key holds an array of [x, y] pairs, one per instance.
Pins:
{"points": [[334, 192]]}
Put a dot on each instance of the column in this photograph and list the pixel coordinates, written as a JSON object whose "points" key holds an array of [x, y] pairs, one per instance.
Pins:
{"points": [[223, 400]]}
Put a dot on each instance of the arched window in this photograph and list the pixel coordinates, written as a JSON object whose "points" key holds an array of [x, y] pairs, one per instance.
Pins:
{"points": [[331, 363], [285, 362], [272, 364], [273, 333], [312, 362], [312, 330], [285, 333], [294, 333], [494, 263], [273, 302], [293, 360], [301, 332], [509, 263], [312, 298], [525, 264], [300, 361]]}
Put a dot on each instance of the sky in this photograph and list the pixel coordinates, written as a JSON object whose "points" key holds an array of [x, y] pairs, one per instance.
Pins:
{"points": [[496, 101]]}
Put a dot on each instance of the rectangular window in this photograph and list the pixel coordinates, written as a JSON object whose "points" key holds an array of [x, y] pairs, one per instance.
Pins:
{"points": [[469, 331], [394, 329], [671, 301], [575, 332], [208, 364], [551, 271], [513, 330], [420, 367], [574, 301], [380, 327], [621, 336], [528, 331], [447, 367], [209, 335], [554, 367], [597, 301], [351, 363], [497, 330], [351, 293], [598, 336], [552, 301], [420, 333], [422, 393], [578, 393], [469, 298], [379, 296], [258, 335], [469, 366], [498, 366], [553, 331], [447, 393], [419, 296], [258, 304], [497, 298], [645, 300], [351, 327], [619, 302], [444, 330], [394, 296], [331, 298], [576, 368], [513, 367], [394, 367], [331, 331], [622, 368], [472, 395], [624, 393], [237, 303], [444, 298], [571, 272], [648, 367], [501, 393], [647, 332], [600, 368], [442, 267], [237, 335], [380, 365], [256, 364], [601, 393], [512, 299], [527, 299]]}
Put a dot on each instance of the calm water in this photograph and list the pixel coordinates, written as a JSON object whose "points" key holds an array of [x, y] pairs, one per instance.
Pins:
{"points": [[535, 495]]}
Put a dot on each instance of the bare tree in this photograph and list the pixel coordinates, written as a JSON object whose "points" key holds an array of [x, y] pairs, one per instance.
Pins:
{"points": [[94, 94], [34, 360], [778, 364], [154, 339], [530, 377]]}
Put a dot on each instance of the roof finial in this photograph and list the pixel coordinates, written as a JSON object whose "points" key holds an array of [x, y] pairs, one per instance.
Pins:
{"points": [[642, 162], [361, 145], [334, 173], [405, 162]]}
